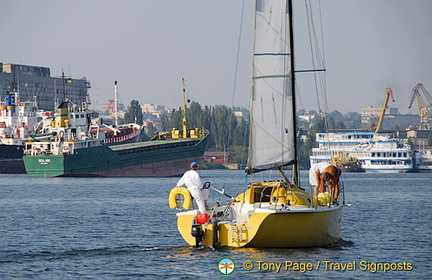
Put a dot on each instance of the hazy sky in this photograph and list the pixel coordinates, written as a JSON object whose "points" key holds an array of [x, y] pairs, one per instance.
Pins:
{"points": [[148, 46]]}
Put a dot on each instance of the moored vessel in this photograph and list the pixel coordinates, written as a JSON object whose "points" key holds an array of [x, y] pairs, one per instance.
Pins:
{"points": [[423, 160], [374, 152], [75, 149], [18, 119]]}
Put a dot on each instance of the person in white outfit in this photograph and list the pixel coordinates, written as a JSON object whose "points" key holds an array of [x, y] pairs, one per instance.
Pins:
{"points": [[315, 173], [192, 181]]}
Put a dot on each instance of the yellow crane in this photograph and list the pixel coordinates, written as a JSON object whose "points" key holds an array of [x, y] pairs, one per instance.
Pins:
{"points": [[388, 94], [424, 110]]}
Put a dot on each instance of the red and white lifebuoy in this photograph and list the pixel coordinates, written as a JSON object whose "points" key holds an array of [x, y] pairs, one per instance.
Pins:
{"points": [[66, 148]]}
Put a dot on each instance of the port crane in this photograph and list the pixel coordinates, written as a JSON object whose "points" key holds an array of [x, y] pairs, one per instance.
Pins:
{"points": [[424, 110], [388, 94]]}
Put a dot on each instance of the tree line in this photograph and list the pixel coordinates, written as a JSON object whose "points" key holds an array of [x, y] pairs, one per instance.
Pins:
{"points": [[229, 133]]}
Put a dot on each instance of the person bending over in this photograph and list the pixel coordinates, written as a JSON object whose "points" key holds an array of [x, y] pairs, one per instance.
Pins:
{"points": [[331, 175]]}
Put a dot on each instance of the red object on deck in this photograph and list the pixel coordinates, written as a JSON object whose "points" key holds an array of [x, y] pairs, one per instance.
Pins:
{"points": [[202, 218]]}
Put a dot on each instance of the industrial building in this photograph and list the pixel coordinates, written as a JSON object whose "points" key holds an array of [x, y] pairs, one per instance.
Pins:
{"points": [[392, 119], [36, 83]]}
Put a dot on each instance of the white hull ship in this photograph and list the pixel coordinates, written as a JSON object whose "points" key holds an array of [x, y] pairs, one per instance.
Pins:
{"points": [[373, 152], [18, 119], [423, 160]]}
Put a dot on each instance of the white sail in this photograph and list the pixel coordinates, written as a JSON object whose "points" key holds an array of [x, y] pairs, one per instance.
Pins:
{"points": [[272, 135]]}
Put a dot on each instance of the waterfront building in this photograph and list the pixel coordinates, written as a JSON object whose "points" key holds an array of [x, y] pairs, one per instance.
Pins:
{"points": [[108, 108], [36, 83], [392, 119]]}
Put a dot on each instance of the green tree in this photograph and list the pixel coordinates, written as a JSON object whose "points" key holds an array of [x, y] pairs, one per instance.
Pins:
{"points": [[241, 134], [222, 126], [305, 145], [175, 120], [150, 131], [134, 113], [164, 119], [238, 150], [353, 120], [318, 126], [197, 117], [237, 154]]}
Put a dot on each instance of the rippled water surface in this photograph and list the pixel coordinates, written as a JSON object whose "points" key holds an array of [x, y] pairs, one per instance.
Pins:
{"points": [[122, 228]]}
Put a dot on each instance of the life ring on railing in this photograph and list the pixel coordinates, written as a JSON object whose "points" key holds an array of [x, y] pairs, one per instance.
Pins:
{"points": [[187, 198], [66, 148], [34, 148]]}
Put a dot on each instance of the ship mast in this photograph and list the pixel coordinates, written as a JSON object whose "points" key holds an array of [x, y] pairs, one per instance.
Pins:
{"points": [[295, 171], [184, 109], [115, 104], [64, 86]]}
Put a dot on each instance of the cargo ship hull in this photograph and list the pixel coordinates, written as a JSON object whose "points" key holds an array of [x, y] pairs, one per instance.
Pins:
{"points": [[11, 159], [160, 158]]}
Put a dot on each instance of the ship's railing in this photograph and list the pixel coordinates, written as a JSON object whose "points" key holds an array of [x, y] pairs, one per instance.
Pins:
{"points": [[177, 134], [48, 148]]}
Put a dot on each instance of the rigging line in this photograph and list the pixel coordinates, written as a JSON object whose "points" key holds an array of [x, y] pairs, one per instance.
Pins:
{"points": [[312, 52], [319, 60], [319, 55], [316, 56], [322, 34], [323, 77], [238, 54], [299, 96], [235, 75]]}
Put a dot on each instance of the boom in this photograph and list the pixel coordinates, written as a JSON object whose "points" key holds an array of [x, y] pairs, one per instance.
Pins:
{"points": [[388, 94]]}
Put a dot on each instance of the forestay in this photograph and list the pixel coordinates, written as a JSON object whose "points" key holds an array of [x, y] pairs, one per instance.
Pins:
{"points": [[271, 142]]}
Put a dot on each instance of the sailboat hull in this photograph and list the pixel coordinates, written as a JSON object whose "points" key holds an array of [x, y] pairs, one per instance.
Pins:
{"points": [[303, 227]]}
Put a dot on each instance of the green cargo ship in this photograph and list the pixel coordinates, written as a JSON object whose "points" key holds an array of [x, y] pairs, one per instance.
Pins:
{"points": [[162, 157], [73, 150]]}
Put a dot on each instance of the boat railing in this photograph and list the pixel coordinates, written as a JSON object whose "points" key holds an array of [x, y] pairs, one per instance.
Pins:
{"points": [[49, 148], [177, 134]]}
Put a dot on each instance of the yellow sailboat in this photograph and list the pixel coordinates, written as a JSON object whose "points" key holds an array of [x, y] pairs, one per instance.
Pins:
{"points": [[272, 213]]}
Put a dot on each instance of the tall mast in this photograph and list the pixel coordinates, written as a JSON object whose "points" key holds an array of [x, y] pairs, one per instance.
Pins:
{"points": [[15, 84], [184, 109], [295, 175], [115, 104], [64, 85]]}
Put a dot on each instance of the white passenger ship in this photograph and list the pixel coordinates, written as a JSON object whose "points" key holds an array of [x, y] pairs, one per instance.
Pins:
{"points": [[374, 152], [423, 160]]}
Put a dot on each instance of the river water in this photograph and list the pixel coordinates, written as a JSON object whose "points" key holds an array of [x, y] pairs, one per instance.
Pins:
{"points": [[122, 228]]}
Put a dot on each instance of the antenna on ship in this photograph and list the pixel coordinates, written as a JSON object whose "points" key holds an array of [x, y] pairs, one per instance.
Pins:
{"points": [[184, 109], [115, 104]]}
